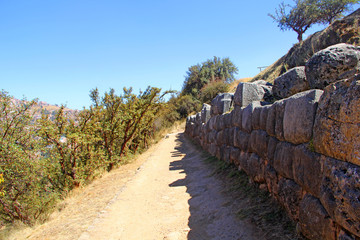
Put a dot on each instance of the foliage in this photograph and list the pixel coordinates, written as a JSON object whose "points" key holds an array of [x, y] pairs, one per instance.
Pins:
{"points": [[209, 71], [212, 89], [331, 10], [300, 18], [41, 161], [306, 13], [186, 104], [25, 193]]}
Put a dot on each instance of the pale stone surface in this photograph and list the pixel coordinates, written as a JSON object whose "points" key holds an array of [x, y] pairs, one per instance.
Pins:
{"points": [[221, 103], [247, 93], [299, 116], [331, 64], [247, 116], [205, 113]]}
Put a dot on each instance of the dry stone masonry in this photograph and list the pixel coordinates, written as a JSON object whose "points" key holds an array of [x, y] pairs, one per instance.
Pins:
{"points": [[304, 147]]}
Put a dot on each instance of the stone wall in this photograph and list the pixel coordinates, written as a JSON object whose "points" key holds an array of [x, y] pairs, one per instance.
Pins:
{"points": [[305, 148]]}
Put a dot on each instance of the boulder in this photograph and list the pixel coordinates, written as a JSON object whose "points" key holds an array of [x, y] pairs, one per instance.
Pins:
{"points": [[337, 122], [299, 116], [205, 113], [221, 103], [290, 83], [331, 64], [314, 220], [340, 193], [247, 93]]}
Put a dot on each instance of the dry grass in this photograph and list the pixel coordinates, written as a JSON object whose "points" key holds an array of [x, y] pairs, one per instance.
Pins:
{"points": [[234, 84], [255, 205]]}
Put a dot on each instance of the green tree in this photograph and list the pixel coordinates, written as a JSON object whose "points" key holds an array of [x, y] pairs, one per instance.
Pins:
{"points": [[306, 13], [331, 10], [212, 70], [299, 18], [25, 190], [211, 90]]}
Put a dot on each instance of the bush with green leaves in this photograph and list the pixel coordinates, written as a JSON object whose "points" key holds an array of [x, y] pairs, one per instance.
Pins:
{"points": [[25, 190]]}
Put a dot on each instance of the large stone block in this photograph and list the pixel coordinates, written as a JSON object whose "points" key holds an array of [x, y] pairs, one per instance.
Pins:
{"points": [[243, 161], [221, 103], [241, 140], [236, 117], [220, 123], [247, 93], [205, 113], [331, 64], [220, 138], [271, 120], [256, 168], [290, 83], [234, 156], [212, 123], [307, 170], [272, 143], [279, 120], [299, 116], [283, 159], [255, 117], [340, 193], [314, 221], [212, 136], [271, 179], [263, 117], [290, 195], [259, 143], [337, 122], [227, 120], [247, 116]]}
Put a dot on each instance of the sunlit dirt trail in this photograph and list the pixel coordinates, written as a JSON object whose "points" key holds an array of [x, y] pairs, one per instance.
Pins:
{"points": [[171, 194]]}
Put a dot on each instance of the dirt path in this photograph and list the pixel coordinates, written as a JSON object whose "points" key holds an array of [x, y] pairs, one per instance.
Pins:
{"points": [[172, 195]]}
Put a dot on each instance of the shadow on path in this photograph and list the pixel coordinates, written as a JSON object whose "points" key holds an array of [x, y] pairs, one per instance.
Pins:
{"points": [[212, 211]]}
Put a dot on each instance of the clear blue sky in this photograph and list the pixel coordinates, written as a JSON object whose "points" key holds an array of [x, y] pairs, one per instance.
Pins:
{"points": [[58, 51]]}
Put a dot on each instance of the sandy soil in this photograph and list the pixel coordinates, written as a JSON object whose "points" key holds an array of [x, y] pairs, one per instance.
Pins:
{"points": [[168, 193]]}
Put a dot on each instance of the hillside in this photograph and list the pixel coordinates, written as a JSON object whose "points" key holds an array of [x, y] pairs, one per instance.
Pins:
{"points": [[345, 30], [47, 108]]}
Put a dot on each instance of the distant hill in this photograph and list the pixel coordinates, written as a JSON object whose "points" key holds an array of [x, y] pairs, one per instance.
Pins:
{"points": [[345, 30], [44, 107]]}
